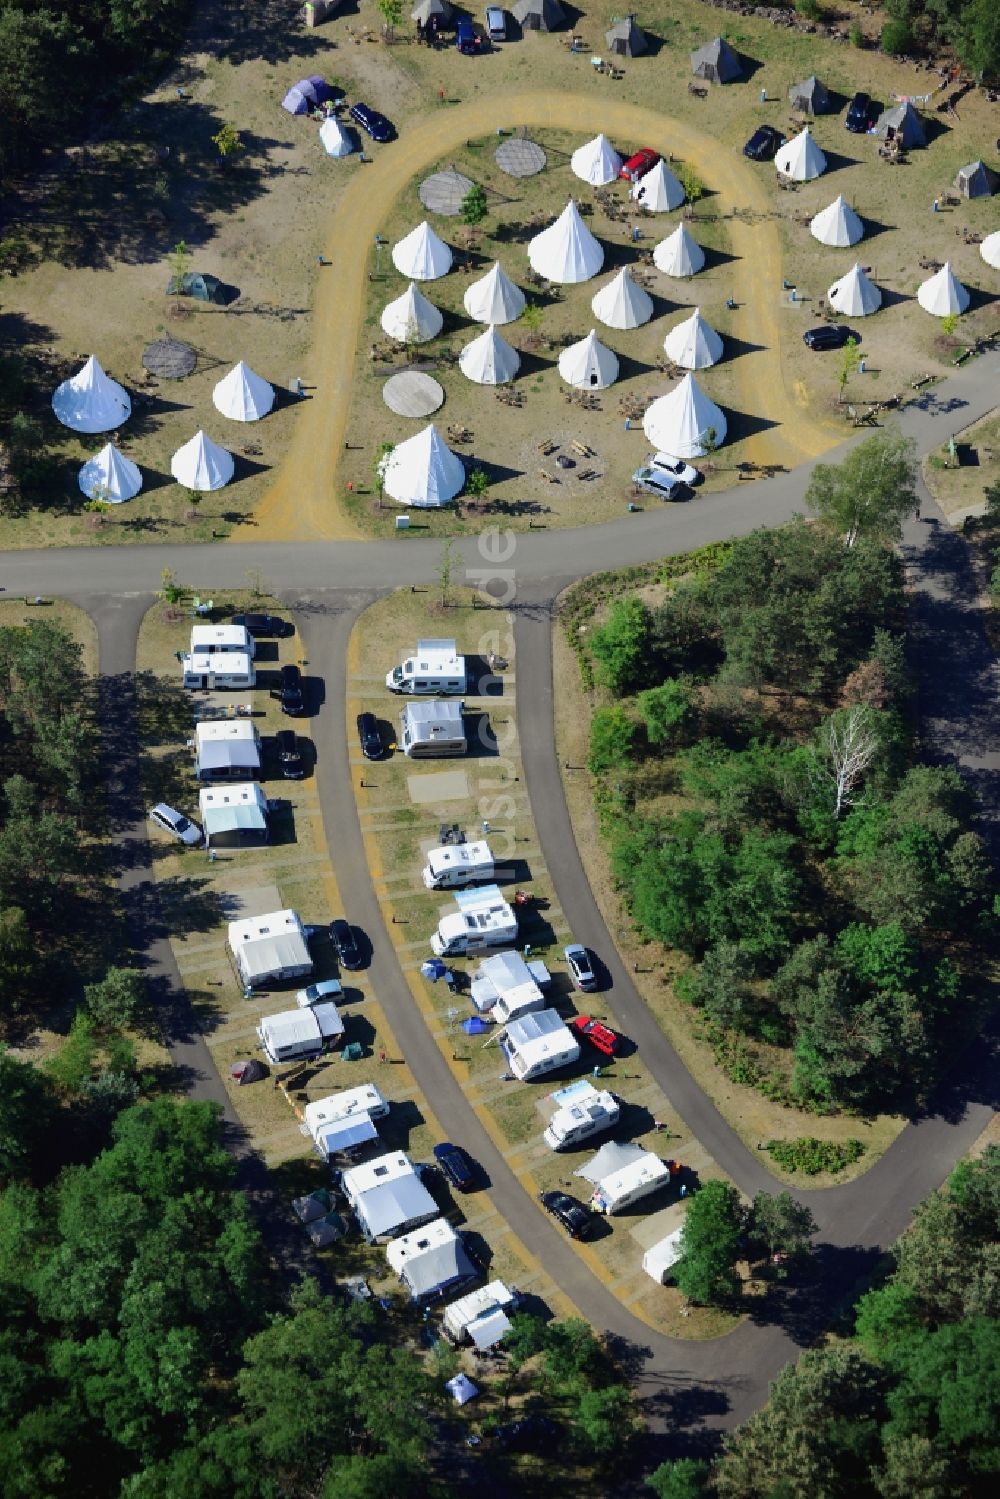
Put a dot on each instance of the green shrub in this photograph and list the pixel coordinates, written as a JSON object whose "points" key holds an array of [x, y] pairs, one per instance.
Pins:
{"points": [[811, 1156], [896, 38], [811, 9], [855, 35], [612, 737]]}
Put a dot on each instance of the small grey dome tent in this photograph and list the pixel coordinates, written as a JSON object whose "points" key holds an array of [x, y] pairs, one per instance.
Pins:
{"points": [[977, 180], [810, 96], [625, 38]]}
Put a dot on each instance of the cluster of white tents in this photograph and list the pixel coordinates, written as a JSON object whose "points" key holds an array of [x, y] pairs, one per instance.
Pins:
{"points": [[90, 401]]}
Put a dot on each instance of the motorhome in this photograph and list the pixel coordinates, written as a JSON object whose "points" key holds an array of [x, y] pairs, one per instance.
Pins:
{"points": [[481, 1316], [501, 973], [483, 920], [218, 670], [433, 728], [297, 1034], [539, 1043], [436, 667], [453, 864], [587, 1113], [207, 639]]}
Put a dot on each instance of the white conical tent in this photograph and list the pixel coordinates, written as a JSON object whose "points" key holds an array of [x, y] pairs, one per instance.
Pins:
{"points": [[990, 250], [838, 225], [494, 299], [423, 471], [411, 319], [854, 295], [943, 294], [202, 464], [335, 139], [597, 162], [658, 191], [110, 476], [90, 401], [680, 423], [588, 365], [693, 344], [622, 304], [422, 255], [489, 359], [566, 251], [679, 254], [242, 395], [800, 158]]}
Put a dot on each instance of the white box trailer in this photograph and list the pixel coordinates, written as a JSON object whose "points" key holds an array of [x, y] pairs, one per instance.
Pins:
{"points": [[208, 638], [590, 1114], [539, 1043], [483, 920], [297, 1034], [474, 1318], [218, 671], [659, 1259], [454, 864], [436, 666]]}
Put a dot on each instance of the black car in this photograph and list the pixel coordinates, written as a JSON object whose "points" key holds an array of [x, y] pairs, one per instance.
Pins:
{"points": [[371, 739], [346, 944], [292, 697], [829, 336], [262, 625], [372, 123], [578, 1221], [455, 1167], [289, 755], [764, 143], [862, 114], [530, 1434]]}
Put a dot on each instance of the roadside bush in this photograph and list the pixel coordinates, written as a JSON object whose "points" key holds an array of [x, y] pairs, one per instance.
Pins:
{"points": [[811, 1156], [612, 740]]}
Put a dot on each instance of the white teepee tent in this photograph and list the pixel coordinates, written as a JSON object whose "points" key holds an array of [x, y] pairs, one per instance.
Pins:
{"points": [[335, 139], [411, 318], [423, 471], [943, 294], [588, 365], [110, 476], [679, 423], [837, 225], [566, 251], [597, 162], [242, 395], [679, 254], [421, 255], [202, 464], [658, 191], [91, 401], [622, 304], [800, 158], [990, 250], [693, 344], [494, 299], [489, 359], [854, 295]]}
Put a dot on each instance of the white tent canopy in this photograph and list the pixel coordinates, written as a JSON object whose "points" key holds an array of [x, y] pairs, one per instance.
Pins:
{"points": [[658, 191], [943, 294], [679, 254], [90, 401], [800, 158], [421, 255], [461, 1389], [110, 476], [597, 162], [411, 318], [202, 464], [622, 304], [243, 396], [495, 298], [566, 251], [693, 344], [990, 250], [679, 423], [335, 139], [838, 225], [854, 295], [423, 471], [588, 365], [489, 359]]}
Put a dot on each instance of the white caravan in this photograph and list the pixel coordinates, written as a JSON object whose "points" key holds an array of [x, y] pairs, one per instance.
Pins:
{"points": [[434, 728], [483, 920], [208, 638], [641, 1177], [453, 864], [436, 667], [586, 1113], [538, 1044], [297, 1034]]}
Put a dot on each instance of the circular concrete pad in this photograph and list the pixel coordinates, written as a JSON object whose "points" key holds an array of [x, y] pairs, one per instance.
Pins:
{"points": [[412, 393], [520, 158], [444, 192]]}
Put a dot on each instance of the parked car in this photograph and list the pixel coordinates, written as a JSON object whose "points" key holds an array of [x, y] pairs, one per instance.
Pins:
{"points": [[372, 123], [600, 1036], [292, 697], [455, 1166], [314, 994], [467, 38], [763, 144], [259, 625], [665, 475], [578, 1221], [580, 967], [638, 165], [345, 942], [289, 755], [496, 23], [533, 1433], [828, 336], [175, 823], [862, 114], [370, 736]]}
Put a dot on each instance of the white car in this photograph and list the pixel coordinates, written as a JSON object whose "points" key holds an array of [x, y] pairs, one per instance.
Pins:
{"points": [[176, 824], [664, 474], [327, 990]]}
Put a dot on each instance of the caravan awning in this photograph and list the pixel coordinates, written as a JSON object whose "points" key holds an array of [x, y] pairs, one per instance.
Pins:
{"points": [[345, 1133], [394, 1205], [245, 816], [487, 1330]]}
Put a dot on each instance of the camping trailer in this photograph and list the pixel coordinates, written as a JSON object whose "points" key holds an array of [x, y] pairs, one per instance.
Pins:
{"points": [[207, 639], [234, 816], [516, 989], [452, 864], [297, 1034], [640, 1177], [431, 1261], [227, 750], [436, 667], [539, 1043], [269, 949], [483, 920], [218, 670], [388, 1196], [585, 1114], [502, 972], [343, 1121], [480, 1317], [660, 1258], [433, 728]]}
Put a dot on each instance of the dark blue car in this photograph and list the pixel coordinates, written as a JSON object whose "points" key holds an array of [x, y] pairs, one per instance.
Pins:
{"points": [[467, 39], [374, 124]]}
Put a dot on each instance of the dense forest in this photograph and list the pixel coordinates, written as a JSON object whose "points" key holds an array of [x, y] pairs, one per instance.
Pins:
{"points": [[970, 27]]}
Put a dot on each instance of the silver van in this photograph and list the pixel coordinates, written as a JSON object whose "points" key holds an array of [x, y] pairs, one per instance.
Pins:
{"points": [[496, 24]]}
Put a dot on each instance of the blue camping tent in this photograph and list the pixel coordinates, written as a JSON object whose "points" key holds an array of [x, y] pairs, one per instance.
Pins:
{"points": [[299, 98], [433, 969], [475, 1025]]}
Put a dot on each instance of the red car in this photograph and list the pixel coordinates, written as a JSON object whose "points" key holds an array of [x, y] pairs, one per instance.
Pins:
{"points": [[638, 165], [600, 1036]]}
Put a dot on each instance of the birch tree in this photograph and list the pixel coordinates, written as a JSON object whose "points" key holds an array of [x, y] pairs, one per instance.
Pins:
{"points": [[870, 493], [847, 745]]}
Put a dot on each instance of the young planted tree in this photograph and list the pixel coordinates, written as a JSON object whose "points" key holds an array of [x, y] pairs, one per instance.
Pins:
{"points": [[870, 492], [391, 12], [475, 205], [446, 568], [478, 483], [379, 462], [848, 366], [532, 317], [227, 141], [179, 261]]}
